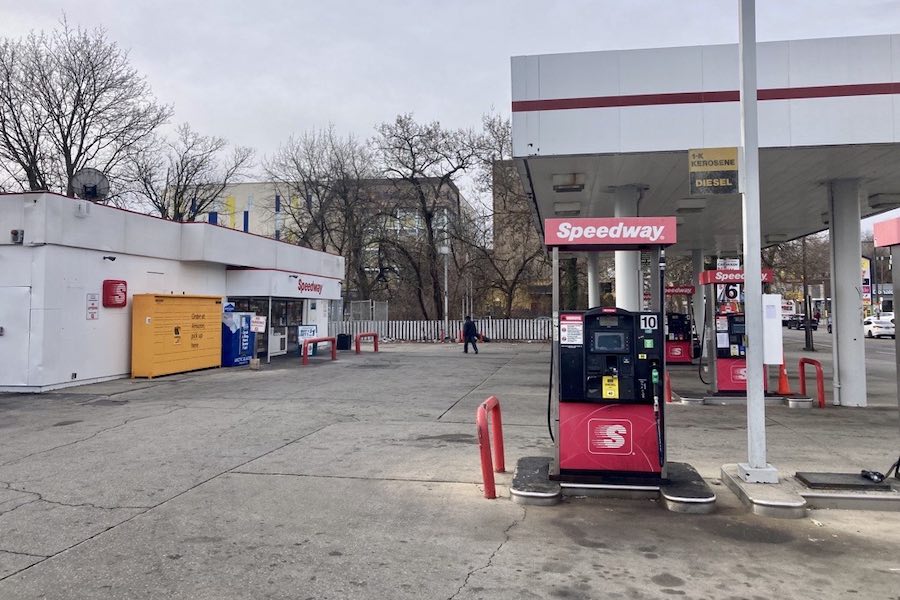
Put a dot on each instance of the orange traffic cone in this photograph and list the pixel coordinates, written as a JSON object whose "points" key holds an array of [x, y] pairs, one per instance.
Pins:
{"points": [[784, 385]]}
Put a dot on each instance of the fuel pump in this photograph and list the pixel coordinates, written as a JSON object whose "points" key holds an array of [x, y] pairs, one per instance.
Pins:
{"points": [[605, 399], [728, 345], [679, 338], [679, 326], [731, 352], [611, 422]]}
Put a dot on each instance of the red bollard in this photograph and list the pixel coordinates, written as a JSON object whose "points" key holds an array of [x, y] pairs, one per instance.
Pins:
{"points": [[488, 467]]}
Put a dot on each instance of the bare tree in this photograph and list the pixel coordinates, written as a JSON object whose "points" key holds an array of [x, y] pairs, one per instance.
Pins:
{"points": [[69, 99], [506, 241], [185, 177], [331, 179], [423, 160]]}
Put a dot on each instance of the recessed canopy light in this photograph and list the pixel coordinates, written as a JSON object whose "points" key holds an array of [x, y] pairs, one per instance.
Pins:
{"points": [[567, 209], [690, 205], [568, 182]]}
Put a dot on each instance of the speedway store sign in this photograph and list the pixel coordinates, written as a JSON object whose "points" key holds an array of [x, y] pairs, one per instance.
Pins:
{"points": [[610, 233]]}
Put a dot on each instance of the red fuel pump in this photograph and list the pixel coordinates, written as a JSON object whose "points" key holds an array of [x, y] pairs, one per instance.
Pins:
{"points": [[606, 384], [728, 336], [679, 329], [610, 395]]}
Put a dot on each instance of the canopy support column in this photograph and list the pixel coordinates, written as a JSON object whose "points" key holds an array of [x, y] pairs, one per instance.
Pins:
{"points": [[844, 197], [628, 263]]}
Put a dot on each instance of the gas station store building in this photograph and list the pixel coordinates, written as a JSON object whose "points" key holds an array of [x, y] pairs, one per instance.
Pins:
{"points": [[69, 270]]}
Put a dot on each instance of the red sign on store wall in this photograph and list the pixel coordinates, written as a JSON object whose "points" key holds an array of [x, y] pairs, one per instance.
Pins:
{"points": [[115, 293]]}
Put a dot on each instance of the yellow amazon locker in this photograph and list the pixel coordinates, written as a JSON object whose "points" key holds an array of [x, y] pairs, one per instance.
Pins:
{"points": [[174, 334]]}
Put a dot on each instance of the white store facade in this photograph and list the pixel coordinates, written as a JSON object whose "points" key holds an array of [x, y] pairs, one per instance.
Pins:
{"points": [[56, 253]]}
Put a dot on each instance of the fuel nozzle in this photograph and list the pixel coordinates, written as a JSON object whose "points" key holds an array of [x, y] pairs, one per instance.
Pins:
{"points": [[654, 377]]}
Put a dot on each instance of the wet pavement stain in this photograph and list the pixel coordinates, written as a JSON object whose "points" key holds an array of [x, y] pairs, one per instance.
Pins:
{"points": [[64, 423], [751, 533], [667, 580], [107, 402], [461, 438]]}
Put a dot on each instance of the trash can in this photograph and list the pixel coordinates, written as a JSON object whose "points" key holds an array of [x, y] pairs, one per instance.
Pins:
{"points": [[343, 341]]}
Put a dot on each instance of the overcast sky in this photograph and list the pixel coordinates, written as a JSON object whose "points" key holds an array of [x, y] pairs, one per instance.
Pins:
{"points": [[256, 71]]}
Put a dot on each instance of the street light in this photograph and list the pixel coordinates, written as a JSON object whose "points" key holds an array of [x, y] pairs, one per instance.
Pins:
{"points": [[445, 250]]}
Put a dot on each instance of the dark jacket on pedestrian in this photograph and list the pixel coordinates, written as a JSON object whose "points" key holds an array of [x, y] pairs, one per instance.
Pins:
{"points": [[469, 330]]}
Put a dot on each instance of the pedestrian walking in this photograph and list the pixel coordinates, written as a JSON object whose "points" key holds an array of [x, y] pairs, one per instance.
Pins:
{"points": [[470, 335]]}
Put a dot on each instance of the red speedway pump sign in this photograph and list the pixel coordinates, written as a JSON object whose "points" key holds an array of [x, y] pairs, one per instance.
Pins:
{"points": [[625, 231], [732, 276]]}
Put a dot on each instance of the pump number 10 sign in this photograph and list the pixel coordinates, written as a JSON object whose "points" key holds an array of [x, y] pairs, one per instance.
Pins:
{"points": [[649, 321]]}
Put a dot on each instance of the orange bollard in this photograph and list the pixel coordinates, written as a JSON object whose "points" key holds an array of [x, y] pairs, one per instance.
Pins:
{"points": [[784, 385]]}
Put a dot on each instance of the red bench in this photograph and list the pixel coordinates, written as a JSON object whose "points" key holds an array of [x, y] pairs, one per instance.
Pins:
{"points": [[316, 340], [367, 334]]}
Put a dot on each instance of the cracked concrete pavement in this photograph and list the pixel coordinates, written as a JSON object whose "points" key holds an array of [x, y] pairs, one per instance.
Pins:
{"points": [[360, 479]]}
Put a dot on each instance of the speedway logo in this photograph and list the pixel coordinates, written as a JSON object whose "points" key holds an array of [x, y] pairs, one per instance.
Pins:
{"points": [[680, 290], [593, 232], [732, 276], [309, 286], [610, 436]]}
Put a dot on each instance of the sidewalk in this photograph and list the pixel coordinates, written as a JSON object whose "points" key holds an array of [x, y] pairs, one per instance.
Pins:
{"points": [[360, 479]]}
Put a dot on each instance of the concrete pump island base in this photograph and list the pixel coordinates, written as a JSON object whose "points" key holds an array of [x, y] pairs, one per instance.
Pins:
{"points": [[606, 405]]}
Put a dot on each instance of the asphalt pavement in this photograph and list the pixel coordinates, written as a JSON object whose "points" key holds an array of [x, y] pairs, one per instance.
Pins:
{"points": [[360, 479]]}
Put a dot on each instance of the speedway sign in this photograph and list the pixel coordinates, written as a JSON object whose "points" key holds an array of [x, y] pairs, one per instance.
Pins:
{"points": [[732, 276], [610, 233]]}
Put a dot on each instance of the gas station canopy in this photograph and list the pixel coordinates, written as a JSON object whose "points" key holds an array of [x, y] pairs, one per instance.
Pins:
{"points": [[589, 126]]}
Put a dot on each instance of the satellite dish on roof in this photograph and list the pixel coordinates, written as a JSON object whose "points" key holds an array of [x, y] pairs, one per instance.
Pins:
{"points": [[90, 184]]}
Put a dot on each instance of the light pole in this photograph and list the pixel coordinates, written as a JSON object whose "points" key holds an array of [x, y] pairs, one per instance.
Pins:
{"points": [[445, 250]]}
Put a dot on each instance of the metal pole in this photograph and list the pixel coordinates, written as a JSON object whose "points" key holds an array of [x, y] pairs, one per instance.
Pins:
{"points": [[661, 308], [873, 281], [553, 397], [756, 470], [269, 334], [807, 306], [895, 279], [446, 296]]}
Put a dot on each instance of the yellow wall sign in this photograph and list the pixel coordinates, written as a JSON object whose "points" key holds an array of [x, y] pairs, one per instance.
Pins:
{"points": [[713, 171]]}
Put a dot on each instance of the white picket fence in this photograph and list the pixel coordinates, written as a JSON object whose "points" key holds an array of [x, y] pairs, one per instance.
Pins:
{"points": [[500, 330]]}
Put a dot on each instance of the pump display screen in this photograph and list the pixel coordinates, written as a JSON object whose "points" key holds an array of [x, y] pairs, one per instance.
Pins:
{"points": [[608, 321], [738, 328], [609, 341]]}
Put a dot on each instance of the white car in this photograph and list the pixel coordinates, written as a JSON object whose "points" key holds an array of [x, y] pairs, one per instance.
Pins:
{"points": [[878, 327]]}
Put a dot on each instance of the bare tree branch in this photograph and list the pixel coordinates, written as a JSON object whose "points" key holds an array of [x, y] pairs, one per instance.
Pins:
{"points": [[70, 99], [183, 178]]}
